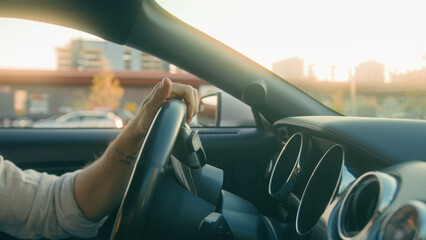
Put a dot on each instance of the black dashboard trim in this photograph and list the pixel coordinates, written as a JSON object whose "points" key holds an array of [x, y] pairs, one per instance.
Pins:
{"points": [[388, 140]]}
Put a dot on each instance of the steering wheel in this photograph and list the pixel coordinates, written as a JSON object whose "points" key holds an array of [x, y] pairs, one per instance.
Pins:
{"points": [[148, 173]]}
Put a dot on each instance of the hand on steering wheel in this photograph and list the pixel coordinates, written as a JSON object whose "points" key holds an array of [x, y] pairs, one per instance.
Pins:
{"points": [[148, 173]]}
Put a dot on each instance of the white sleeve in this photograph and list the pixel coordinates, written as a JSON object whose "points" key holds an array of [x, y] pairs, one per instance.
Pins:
{"points": [[35, 205]]}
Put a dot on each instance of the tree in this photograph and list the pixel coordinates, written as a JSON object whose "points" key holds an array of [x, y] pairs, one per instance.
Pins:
{"points": [[105, 91], [338, 102]]}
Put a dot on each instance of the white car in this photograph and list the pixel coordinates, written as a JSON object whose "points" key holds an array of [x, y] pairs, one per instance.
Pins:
{"points": [[82, 119]]}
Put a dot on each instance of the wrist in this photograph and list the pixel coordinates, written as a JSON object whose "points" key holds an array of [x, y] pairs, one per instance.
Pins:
{"points": [[135, 126]]}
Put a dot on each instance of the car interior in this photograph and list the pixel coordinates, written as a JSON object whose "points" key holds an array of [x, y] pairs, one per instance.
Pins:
{"points": [[302, 171]]}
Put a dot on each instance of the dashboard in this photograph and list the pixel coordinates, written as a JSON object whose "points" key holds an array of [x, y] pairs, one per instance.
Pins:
{"points": [[352, 177]]}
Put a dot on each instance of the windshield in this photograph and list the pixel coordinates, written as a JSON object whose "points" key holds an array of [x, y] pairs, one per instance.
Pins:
{"points": [[360, 58]]}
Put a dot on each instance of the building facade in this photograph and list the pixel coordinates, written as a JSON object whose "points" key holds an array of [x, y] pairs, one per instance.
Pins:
{"points": [[39, 94], [291, 69], [82, 54], [371, 72]]}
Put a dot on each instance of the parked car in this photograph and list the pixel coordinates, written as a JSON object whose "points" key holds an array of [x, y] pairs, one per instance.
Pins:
{"points": [[22, 122], [82, 119], [303, 171]]}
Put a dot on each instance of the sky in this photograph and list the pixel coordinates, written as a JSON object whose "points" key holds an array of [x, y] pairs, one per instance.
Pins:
{"points": [[341, 33], [31, 45]]}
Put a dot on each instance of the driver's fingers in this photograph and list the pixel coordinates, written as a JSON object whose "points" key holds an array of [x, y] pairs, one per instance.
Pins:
{"points": [[159, 94], [197, 101], [186, 93]]}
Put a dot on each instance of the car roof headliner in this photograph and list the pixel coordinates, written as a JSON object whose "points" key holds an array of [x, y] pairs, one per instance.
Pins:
{"points": [[109, 19]]}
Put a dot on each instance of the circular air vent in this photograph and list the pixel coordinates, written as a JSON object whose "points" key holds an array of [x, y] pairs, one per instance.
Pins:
{"points": [[369, 196], [407, 222]]}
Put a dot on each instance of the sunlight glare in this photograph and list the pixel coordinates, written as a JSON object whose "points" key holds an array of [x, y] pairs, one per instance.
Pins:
{"points": [[327, 33], [31, 45]]}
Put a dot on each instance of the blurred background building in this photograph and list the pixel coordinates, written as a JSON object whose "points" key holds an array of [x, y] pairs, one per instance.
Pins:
{"points": [[371, 72], [98, 55], [366, 91], [291, 69], [30, 95]]}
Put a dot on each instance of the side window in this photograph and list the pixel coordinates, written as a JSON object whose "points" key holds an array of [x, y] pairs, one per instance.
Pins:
{"points": [[94, 118], [44, 78], [74, 119]]}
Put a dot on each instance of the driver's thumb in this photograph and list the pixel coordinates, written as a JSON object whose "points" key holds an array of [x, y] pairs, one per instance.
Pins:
{"points": [[161, 93]]}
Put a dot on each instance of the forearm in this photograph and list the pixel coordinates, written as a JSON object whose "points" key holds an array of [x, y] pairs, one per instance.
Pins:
{"points": [[99, 188]]}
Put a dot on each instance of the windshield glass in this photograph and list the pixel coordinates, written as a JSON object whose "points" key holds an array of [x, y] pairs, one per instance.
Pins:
{"points": [[360, 58]]}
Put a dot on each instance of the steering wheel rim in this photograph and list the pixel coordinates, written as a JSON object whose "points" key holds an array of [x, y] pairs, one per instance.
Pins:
{"points": [[148, 172]]}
